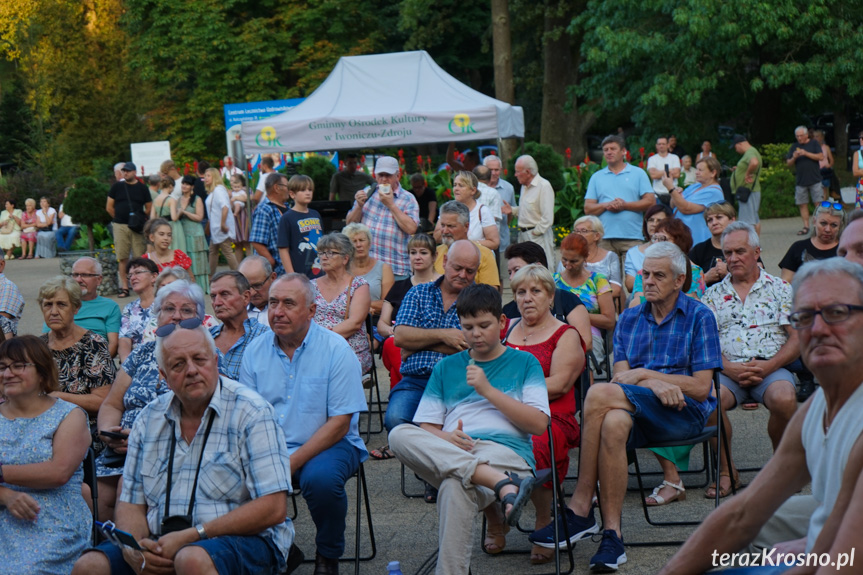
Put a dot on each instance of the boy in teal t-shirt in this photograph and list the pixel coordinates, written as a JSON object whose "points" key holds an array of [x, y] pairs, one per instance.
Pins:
{"points": [[476, 418]]}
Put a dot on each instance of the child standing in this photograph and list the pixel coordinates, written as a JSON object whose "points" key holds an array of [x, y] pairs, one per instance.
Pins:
{"points": [[239, 201], [476, 418], [159, 233], [300, 229]]}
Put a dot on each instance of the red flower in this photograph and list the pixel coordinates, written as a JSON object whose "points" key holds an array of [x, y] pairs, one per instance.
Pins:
{"points": [[447, 194], [221, 163], [363, 159], [651, 154], [186, 169], [419, 161], [196, 166], [578, 169], [401, 153], [641, 151], [568, 153], [628, 156], [505, 172], [341, 165], [641, 165]]}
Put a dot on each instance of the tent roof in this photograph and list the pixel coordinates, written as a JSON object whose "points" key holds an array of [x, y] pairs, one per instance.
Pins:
{"points": [[384, 100]]}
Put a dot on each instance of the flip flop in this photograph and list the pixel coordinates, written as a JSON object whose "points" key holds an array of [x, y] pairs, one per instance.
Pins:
{"points": [[803, 232], [382, 453]]}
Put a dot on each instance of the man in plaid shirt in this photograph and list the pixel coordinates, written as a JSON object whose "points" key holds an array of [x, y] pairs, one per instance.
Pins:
{"points": [[264, 234], [391, 213], [230, 293]]}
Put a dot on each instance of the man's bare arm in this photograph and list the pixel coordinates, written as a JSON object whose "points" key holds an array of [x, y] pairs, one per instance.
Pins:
{"points": [[445, 340], [735, 523], [697, 386]]}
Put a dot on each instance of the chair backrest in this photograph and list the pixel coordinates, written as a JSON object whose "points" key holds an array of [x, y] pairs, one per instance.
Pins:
{"points": [[90, 480]]}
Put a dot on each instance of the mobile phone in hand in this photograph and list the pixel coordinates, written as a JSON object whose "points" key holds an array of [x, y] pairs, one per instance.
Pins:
{"points": [[114, 435], [667, 171]]}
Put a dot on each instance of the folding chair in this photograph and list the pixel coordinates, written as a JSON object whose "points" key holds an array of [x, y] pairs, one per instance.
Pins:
{"points": [[709, 432], [558, 510], [376, 406], [362, 498], [89, 464]]}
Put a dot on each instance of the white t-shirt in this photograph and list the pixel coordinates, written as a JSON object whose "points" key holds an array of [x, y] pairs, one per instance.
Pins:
{"points": [[66, 220], [262, 182], [480, 217], [491, 198], [217, 200], [44, 218], [658, 162]]}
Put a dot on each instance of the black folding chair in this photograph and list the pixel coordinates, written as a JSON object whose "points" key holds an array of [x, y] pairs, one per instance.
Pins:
{"points": [[377, 407], [709, 433], [362, 498], [89, 464]]}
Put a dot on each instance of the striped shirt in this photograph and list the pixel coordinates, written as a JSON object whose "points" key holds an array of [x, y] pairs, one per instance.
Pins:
{"points": [[244, 459], [230, 364]]}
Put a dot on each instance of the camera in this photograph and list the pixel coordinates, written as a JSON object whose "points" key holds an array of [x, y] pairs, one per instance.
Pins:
{"points": [[176, 523]]}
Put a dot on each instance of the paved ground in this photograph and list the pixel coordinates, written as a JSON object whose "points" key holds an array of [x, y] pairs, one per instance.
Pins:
{"points": [[406, 529]]}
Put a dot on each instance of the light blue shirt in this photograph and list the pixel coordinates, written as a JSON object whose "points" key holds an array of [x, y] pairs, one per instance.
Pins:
{"points": [[324, 379], [703, 196], [630, 185]]}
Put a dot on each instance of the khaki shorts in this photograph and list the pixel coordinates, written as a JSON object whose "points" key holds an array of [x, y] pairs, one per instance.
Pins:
{"points": [[802, 194], [126, 241]]}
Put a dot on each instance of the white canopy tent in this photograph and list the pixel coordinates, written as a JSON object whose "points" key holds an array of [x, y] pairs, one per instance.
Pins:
{"points": [[385, 100]]}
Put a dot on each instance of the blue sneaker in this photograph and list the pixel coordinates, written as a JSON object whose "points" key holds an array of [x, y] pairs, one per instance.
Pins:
{"points": [[579, 528], [609, 555]]}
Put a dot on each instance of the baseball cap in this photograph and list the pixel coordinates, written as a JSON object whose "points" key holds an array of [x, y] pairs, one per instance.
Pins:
{"points": [[387, 165], [129, 167], [738, 139]]}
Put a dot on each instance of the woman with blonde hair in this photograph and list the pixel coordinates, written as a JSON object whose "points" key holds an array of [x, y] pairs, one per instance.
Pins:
{"points": [[378, 274], [222, 224], [29, 219], [482, 228]]}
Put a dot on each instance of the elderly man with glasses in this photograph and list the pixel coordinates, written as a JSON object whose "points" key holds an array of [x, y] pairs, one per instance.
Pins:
{"points": [[260, 276], [823, 443], [98, 314]]}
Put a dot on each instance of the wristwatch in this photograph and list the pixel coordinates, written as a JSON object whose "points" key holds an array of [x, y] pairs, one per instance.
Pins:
{"points": [[201, 533]]}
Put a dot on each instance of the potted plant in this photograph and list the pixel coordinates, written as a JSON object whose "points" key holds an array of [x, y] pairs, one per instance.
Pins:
{"points": [[85, 204]]}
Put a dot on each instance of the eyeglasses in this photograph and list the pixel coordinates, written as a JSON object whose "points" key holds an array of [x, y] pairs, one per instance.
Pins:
{"points": [[834, 205], [831, 314], [168, 328], [582, 231], [76, 275], [137, 273], [258, 286], [17, 367], [656, 238], [329, 253], [189, 311]]}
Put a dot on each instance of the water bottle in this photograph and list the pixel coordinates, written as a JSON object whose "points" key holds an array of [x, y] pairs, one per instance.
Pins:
{"points": [[394, 568]]}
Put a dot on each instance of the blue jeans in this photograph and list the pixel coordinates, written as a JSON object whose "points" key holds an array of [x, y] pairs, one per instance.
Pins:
{"points": [[404, 399], [322, 480], [65, 236], [653, 422]]}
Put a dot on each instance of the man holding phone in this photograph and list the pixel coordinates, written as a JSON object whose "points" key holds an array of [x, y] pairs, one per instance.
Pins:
{"points": [[661, 164], [207, 475]]}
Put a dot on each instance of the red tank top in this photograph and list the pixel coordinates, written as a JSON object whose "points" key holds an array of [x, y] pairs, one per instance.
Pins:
{"points": [[543, 352]]}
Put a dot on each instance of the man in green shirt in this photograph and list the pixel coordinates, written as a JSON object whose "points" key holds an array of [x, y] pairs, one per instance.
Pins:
{"points": [[746, 173], [346, 183]]}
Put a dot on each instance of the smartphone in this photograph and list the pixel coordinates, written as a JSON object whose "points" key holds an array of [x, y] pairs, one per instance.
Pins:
{"points": [[667, 171], [119, 538], [114, 435]]}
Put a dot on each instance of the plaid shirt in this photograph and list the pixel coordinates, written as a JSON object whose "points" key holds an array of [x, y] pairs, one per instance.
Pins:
{"points": [[11, 302], [229, 364], [265, 230], [686, 341], [389, 241], [245, 458], [423, 307]]}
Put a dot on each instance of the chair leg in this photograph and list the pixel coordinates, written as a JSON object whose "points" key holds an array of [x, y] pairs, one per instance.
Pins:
{"points": [[404, 490]]}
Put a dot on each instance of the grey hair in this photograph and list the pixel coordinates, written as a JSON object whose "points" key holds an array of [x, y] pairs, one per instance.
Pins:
{"points": [[738, 226], [491, 158], [154, 179], [265, 263], [159, 352], [308, 288], [240, 280], [96, 264], [176, 272], [119, 165], [340, 242], [50, 288], [273, 179], [457, 208], [830, 267], [804, 128], [355, 228], [595, 223], [668, 250], [185, 288], [529, 163]]}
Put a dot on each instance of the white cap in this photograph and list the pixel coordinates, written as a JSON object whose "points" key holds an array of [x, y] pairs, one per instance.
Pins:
{"points": [[387, 165]]}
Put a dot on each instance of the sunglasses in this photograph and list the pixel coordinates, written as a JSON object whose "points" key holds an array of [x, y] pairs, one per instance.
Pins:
{"points": [[834, 205], [168, 328]]}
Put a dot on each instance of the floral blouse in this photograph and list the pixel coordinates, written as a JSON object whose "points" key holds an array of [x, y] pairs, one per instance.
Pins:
{"points": [[696, 289], [589, 291], [180, 259], [332, 313], [133, 321]]}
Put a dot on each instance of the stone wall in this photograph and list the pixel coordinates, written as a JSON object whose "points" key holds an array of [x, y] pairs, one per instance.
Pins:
{"points": [[110, 281]]}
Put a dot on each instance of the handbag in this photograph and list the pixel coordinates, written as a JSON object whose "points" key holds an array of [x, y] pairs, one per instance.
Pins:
{"points": [[136, 219], [743, 194], [7, 227]]}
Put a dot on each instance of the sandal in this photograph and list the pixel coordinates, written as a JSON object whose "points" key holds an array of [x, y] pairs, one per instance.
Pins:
{"points": [[382, 453], [710, 492], [495, 539], [124, 292], [518, 499], [679, 494], [803, 232], [541, 555]]}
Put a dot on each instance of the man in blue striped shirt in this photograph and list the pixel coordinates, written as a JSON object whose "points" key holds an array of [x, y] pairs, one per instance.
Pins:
{"points": [[665, 352]]}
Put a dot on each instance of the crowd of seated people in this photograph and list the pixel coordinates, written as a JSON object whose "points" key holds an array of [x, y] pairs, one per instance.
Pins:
{"points": [[476, 388]]}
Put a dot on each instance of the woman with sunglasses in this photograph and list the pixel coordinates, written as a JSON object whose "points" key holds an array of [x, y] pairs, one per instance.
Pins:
{"points": [[44, 520], [827, 224], [689, 204], [137, 384]]}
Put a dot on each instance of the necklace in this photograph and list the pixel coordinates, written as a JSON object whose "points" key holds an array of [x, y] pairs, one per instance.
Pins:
{"points": [[526, 335]]}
